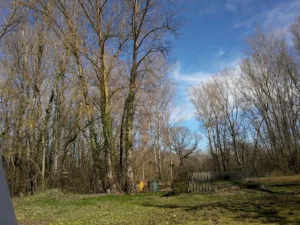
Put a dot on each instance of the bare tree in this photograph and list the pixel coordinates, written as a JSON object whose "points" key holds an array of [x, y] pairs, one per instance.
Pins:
{"points": [[150, 21], [295, 30], [73, 76], [251, 117], [14, 18], [270, 73], [184, 142]]}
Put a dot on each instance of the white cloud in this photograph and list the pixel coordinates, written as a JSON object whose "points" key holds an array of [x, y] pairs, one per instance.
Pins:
{"points": [[233, 63], [187, 80], [278, 17], [183, 109], [183, 79]]}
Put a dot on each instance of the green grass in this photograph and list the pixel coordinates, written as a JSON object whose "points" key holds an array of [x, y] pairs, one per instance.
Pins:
{"points": [[223, 207]]}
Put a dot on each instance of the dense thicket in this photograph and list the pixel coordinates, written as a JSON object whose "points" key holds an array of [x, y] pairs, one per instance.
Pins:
{"points": [[250, 114]]}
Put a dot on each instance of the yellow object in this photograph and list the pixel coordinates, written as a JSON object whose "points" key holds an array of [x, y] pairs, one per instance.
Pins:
{"points": [[141, 186]]}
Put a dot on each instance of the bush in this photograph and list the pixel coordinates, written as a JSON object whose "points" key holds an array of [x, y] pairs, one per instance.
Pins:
{"points": [[179, 187]]}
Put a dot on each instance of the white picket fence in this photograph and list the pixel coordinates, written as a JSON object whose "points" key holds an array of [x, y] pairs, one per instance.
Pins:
{"points": [[200, 181]]}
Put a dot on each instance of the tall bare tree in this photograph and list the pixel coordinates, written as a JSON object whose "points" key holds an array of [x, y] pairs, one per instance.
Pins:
{"points": [[149, 21]]}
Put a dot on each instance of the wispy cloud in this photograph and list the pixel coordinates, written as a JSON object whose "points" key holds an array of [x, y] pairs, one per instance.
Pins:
{"points": [[231, 7], [215, 6], [186, 79], [232, 63], [221, 52], [183, 109], [182, 112], [235, 5], [209, 7], [277, 17]]}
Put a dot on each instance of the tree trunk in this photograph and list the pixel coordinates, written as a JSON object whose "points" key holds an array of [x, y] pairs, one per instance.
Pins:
{"points": [[106, 120], [127, 139], [43, 162]]}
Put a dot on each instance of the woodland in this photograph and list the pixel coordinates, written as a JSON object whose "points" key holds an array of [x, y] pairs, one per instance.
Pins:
{"points": [[87, 95]]}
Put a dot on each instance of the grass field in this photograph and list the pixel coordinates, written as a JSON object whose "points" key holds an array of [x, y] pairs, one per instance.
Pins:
{"points": [[222, 207]]}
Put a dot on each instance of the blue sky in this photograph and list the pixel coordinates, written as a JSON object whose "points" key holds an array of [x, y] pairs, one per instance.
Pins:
{"points": [[213, 37]]}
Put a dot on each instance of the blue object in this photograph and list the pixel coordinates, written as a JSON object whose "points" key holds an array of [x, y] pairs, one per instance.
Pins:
{"points": [[7, 214]]}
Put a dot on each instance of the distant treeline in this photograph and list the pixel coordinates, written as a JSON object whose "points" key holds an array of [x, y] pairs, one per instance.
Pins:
{"points": [[251, 113]]}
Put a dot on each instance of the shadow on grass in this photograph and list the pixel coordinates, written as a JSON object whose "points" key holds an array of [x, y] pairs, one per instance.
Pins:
{"points": [[268, 209], [285, 185]]}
